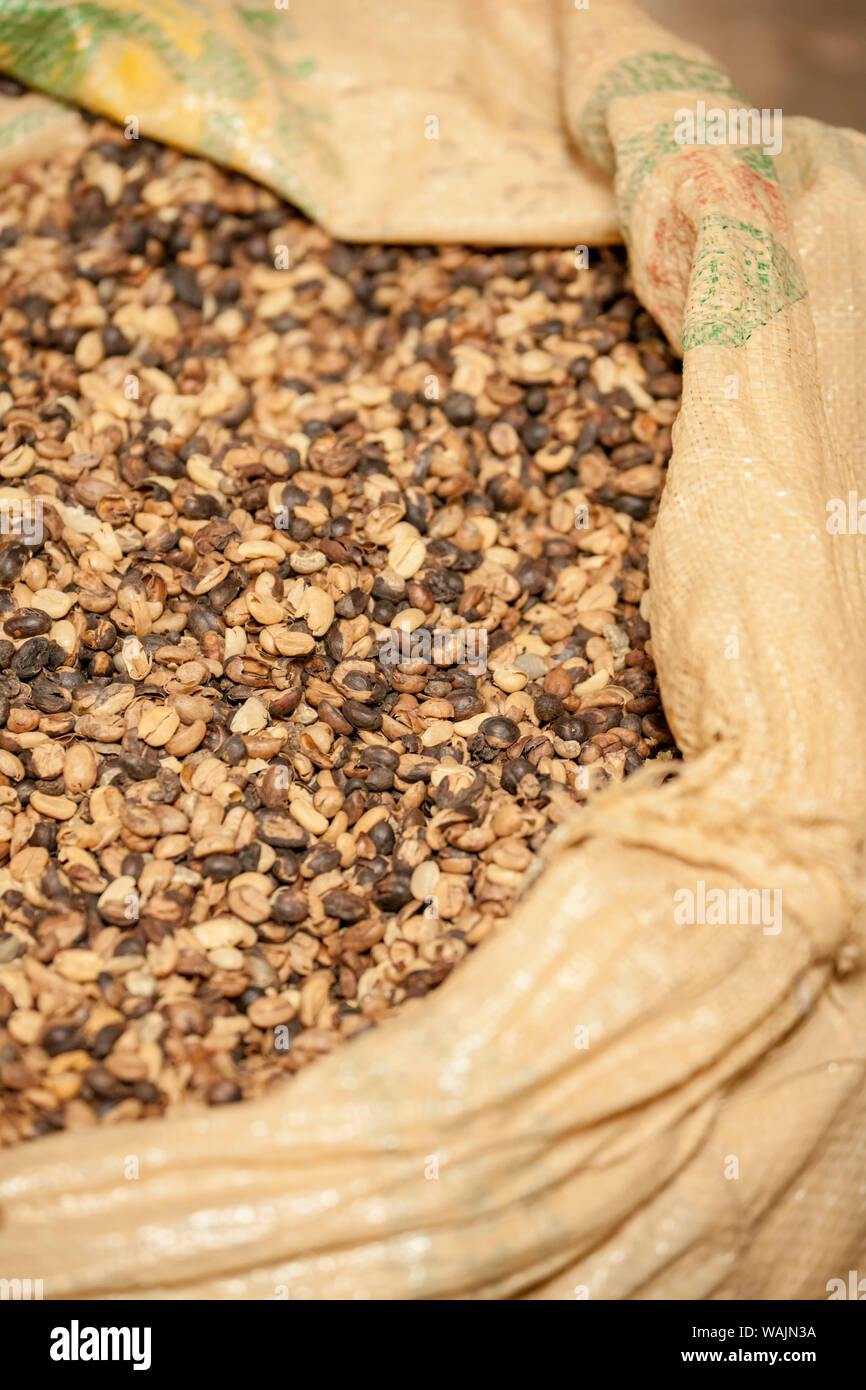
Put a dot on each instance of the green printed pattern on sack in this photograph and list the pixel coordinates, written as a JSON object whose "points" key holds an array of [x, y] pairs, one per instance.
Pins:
{"points": [[639, 155], [741, 278], [233, 57], [53, 47], [639, 75]]}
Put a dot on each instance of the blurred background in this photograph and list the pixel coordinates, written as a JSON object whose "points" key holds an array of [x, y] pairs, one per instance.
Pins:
{"points": [[805, 57]]}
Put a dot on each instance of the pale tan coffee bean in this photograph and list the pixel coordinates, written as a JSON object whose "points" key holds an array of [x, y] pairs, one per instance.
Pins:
{"points": [[424, 879], [136, 660], [80, 768], [53, 602], [272, 1010], [78, 965], [55, 807], [307, 816], [157, 724], [407, 556]]}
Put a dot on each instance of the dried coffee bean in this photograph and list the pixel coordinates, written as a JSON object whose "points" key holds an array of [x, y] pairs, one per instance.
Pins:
{"points": [[547, 708], [392, 892], [346, 906], [27, 622], [61, 1038], [513, 773], [499, 733]]}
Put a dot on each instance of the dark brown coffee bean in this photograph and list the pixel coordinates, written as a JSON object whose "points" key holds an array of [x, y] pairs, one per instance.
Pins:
{"points": [[570, 728], [27, 622], [220, 867], [459, 408], [361, 716], [30, 658], [105, 1039], [348, 907], [392, 892], [290, 907], [547, 708], [499, 732], [655, 726], [598, 721], [513, 772], [61, 1037]]}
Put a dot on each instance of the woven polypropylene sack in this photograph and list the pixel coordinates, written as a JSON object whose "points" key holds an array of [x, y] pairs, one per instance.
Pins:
{"points": [[709, 1141]]}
